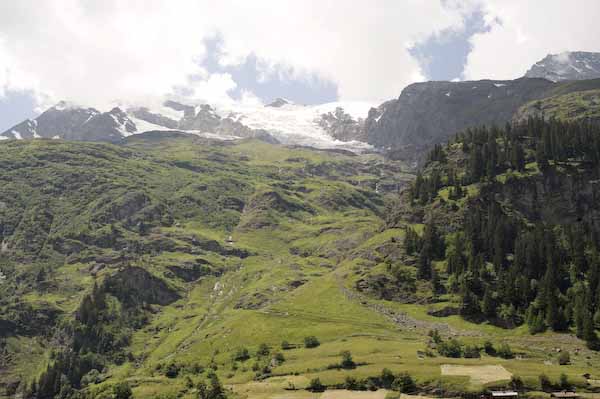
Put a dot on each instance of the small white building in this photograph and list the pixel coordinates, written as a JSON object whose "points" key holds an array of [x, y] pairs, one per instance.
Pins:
{"points": [[504, 394]]}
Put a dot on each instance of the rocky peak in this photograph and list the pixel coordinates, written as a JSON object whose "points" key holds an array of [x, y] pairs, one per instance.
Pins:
{"points": [[569, 65], [278, 103]]}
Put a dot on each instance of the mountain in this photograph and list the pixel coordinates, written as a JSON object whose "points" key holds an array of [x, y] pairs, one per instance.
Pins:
{"points": [[75, 123], [281, 121], [429, 113], [570, 65]]}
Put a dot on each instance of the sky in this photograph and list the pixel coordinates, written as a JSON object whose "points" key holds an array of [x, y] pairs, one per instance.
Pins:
{"points": [[106, 52]]}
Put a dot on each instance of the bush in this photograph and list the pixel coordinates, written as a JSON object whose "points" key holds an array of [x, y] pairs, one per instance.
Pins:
{"points": [[404, 383], [564, 382], [450, 348], [351, 384], [279, 358], [387, 378], [241, 355], [172, 371], [505, 352], [472, 352], [263, 351], [489, 349], [545, 383], [435, 336], [347, 361], [286, 345], [564, 358], [315, 385], [122, 391], [311, 342], [516, 383]]}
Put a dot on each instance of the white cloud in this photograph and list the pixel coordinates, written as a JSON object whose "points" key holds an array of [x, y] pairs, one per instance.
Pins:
{"points": [[99, 51], [524, 31]]}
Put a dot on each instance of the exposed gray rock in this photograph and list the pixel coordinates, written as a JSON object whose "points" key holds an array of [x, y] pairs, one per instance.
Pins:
{"points": [[341, 126], [278, 102], [570, 65], [75, 123]]}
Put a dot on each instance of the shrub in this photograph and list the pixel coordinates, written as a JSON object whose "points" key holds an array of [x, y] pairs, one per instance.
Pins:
{"points": [[311, 342], [241, 355], [347, 361], [122, 391], [450, 348], [472, 352], [263, 351], [505, 352], [286, 345], [172, 371], [404, 383], [351, 384], [315, 385], [489, 349], [435, 336], [387, 378], [545, 383], [564, 358], [516, 383], [279, 358], [564, 382]]}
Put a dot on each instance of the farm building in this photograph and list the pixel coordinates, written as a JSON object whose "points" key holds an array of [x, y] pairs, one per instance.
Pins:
{"points": [[565, 395], [504, 394]]}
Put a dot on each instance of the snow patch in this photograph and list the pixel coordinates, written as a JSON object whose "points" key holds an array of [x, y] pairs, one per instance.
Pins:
{"points": [[499, 84], [17, 135], [447, 94]]}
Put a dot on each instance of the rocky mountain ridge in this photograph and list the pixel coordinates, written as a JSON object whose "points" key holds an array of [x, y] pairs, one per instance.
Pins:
{"points": [[569, 65]]}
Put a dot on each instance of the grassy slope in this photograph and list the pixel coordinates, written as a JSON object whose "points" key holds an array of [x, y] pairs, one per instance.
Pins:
{"points": [[579, 105], [253, 302]]}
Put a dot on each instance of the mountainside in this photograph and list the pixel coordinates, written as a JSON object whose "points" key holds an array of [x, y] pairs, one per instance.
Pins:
{"points": [[580, 105], [429, 113], [570, 65], [173, 265]]}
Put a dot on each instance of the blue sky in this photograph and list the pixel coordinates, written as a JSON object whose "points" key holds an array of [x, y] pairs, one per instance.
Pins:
{"points": [[308, 51], [441, 57]]}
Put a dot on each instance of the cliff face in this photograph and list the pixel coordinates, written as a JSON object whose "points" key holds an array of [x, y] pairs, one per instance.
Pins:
{"points": [[559, 197], [429, 113]]}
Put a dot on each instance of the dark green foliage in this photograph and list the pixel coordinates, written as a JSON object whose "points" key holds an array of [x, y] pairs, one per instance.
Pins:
{"points": [[404, 383], [387, 378], [214, 390], [489, 349], [122, 391], [450, 348], [507, 265], [505, 351], [347, 361], [311, 342], [545, 383], [315, 385], [564, 358], [471, 352], [241, 355], [263, 350]]}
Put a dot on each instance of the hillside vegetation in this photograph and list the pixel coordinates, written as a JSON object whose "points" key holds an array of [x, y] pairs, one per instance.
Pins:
{"points": [[171, 266]]}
